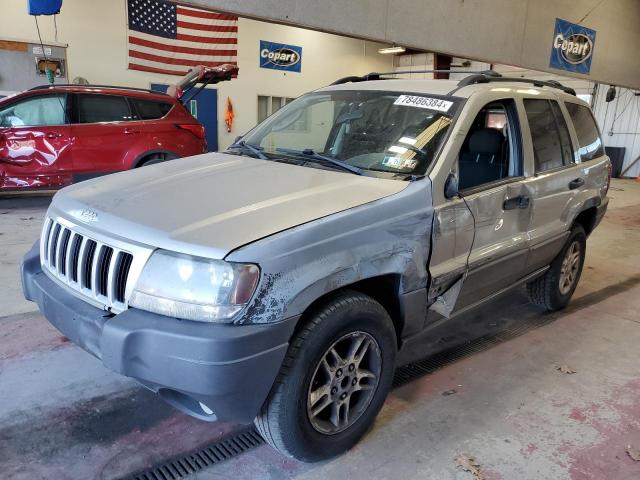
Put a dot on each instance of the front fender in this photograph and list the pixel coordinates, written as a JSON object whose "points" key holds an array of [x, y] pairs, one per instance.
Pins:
{"points": [[299, 265]]}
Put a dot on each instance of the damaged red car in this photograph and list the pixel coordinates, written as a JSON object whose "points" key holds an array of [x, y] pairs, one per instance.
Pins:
{"points": [[52, 136]]}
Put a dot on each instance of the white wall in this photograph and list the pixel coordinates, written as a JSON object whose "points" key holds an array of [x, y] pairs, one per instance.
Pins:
{"points": [[415, 62], [95, 31], [325, 58]]}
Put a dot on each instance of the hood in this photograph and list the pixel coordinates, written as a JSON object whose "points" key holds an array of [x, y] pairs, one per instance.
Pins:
{"points": [[211, 204]]}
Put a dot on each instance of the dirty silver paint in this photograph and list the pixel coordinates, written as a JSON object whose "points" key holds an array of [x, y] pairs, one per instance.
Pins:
{"points": [[327, 229], [391, 236], [476, 236], [209, 204], [570, 426], [445, 303]]}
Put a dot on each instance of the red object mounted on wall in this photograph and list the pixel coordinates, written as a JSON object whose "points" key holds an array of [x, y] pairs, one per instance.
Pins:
{"points": [[228, 116]]}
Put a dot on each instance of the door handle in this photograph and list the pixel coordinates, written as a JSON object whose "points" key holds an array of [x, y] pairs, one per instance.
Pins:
{"points": [[521, 201], [129, 131], [576, 183], [52, 135]]}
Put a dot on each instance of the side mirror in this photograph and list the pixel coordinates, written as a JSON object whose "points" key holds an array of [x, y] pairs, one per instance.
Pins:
{"points": [[611, 94], [451, 186]]}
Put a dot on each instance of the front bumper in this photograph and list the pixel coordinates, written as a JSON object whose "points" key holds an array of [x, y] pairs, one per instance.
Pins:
{"points": [[228, 368]]}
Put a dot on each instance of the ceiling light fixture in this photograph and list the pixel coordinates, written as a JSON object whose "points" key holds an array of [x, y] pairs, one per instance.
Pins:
{"points": [[391, 50]]}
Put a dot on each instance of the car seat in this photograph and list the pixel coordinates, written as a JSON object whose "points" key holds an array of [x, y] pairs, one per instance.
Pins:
{"points": [[483, 162]]}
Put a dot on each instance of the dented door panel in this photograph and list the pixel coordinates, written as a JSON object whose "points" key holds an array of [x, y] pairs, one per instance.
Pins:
{"points": [[35, 157], [452, 235], [500, 246]]}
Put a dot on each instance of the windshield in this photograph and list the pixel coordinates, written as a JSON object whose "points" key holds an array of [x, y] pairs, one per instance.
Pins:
{"points": [[375, 131]]}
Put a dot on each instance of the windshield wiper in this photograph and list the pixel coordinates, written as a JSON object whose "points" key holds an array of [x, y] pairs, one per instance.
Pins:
{"points": [[309, 154], [257, 151]]}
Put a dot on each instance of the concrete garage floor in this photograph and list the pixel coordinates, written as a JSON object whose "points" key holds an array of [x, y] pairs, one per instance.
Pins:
{"points": [[64, 416]]}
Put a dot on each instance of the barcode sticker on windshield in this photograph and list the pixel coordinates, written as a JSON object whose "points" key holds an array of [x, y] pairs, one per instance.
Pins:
{"points": [[424, 102]]}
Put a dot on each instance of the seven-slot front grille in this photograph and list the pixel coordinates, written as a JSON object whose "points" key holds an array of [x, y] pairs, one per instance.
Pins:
{"points": [[92, 268]]}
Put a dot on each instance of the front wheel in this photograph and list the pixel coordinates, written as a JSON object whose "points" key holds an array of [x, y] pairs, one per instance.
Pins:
{"points": [[554, 289], [333, 381]]}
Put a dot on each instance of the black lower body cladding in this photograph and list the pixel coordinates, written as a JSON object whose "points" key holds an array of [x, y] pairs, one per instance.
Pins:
{"points": [[227, 368]]}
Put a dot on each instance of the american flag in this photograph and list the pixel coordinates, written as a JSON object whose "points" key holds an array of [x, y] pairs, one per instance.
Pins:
{"points": [[168, 38]]}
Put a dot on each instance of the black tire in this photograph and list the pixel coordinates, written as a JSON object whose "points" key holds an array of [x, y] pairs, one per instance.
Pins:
{"points": [[545, 291], [284, 421]]}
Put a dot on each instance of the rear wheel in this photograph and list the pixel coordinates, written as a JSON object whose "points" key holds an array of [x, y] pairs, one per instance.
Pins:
{"points": [[334, 380], [554, 289], [155, 158]]}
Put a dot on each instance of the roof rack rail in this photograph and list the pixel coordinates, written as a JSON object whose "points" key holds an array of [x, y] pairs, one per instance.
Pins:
{"points": [[478, 76], [379, 76], [483, 78], [355, 78], [115, 87]]}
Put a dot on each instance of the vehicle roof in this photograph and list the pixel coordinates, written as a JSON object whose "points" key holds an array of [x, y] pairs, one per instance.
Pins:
{"points": [[100, 89], [450, 87]]}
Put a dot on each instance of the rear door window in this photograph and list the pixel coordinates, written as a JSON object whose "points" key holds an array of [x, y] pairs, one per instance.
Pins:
{"points": [[549, 134], [35, 111], [587, 131], [102, 108], [150, 109], [563, 130]]}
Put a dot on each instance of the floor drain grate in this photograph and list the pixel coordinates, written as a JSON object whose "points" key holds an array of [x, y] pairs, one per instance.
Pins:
{"points": [[182, 467]]}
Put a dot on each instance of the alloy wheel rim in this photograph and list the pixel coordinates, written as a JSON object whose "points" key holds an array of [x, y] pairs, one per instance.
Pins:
{"points": [[569, 268], [344, 382]]}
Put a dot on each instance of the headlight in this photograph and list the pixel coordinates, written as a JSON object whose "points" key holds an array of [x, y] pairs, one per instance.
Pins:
{"points": [[194, 288]]}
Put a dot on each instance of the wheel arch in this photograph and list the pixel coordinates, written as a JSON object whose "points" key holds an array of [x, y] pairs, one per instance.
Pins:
{"points": [[384, 289], [588, 214], [143, 157]]}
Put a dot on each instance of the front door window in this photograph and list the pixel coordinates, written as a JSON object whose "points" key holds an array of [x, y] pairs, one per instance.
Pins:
{"points": [[34, 112], [490, 152]]}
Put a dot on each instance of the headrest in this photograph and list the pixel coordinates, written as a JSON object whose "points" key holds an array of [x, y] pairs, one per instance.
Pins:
{"points": [[486, 140]]}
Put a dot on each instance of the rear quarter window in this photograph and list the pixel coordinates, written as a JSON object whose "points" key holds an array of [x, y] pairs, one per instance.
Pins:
{"points": [[590, 143], [150, 109]]}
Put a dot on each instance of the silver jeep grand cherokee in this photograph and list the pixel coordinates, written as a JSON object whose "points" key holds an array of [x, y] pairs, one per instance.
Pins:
{"points": [[283, 280]]}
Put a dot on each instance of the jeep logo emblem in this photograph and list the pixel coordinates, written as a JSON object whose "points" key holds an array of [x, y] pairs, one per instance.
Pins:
{"points": [[88, 215], [575, 48], [283, 57]]}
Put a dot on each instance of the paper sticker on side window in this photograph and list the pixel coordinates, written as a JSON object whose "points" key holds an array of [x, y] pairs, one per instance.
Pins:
{"points": [[424, 102]]}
